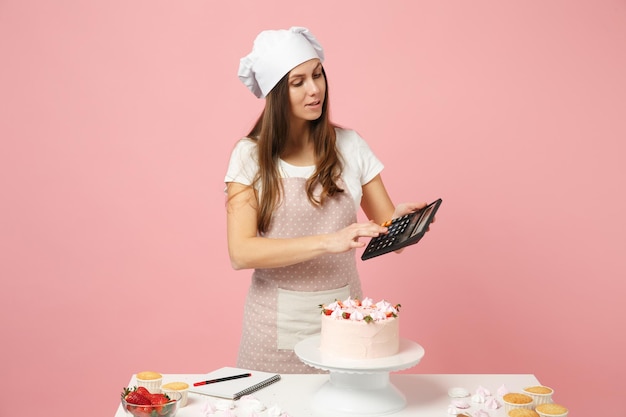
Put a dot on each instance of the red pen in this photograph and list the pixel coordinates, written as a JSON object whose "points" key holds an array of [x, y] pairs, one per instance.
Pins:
{"points": [[226, 378]]}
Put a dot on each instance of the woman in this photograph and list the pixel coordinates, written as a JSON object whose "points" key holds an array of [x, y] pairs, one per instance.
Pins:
{"points": [[294, 186]]}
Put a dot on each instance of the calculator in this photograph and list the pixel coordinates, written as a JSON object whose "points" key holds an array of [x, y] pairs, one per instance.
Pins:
{"points": [[402, 231]]}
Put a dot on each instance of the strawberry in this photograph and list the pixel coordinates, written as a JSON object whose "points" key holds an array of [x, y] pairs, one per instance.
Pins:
{"points": [[133, 397], [392, 314], [158, 401], [345, 315], [137, 399], [143, 391]]}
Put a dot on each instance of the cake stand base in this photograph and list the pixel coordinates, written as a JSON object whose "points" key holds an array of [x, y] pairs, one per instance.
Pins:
{"points": [[358, 395], [358, 387]]}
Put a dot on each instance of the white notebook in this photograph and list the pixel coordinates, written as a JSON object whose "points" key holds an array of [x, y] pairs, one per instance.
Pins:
{"points": [[234, 388]]}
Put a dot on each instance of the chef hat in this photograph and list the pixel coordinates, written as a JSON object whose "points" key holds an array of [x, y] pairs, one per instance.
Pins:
{"points": [[274, 54]]}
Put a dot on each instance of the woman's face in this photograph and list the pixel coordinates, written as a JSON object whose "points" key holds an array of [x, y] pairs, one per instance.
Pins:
{"points": [[307, 88]]}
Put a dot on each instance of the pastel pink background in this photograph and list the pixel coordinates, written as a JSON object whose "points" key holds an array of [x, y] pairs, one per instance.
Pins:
{"points": [[116, 123]]}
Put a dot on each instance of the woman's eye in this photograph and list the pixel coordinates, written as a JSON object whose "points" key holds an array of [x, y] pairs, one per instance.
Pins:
{"points": [[300, 82]]}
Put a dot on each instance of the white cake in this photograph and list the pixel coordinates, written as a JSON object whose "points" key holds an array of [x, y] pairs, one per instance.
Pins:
{"points": [[355, 329]]}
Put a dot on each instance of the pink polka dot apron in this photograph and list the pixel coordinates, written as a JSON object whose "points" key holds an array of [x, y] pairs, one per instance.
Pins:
{"points": [[282, 305]]}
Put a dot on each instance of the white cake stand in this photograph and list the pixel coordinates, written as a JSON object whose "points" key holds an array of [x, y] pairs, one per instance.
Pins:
{"points": [[358, 387]]}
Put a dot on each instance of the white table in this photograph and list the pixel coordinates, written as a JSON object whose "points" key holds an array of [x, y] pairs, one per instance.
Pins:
{"points": [[426, 395]]}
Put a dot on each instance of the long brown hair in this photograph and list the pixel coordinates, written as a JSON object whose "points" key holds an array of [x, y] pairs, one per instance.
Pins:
{"points": [[270, 132]]}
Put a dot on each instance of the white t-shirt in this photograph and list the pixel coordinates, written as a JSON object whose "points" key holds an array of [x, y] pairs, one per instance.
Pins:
{"points": [[360, 165]]}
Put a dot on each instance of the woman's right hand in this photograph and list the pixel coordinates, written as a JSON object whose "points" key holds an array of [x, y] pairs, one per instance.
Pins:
{"points": [[348, 237]]}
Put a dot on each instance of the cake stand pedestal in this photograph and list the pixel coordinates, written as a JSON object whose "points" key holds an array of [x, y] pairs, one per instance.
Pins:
{"points": [[358, 387]]}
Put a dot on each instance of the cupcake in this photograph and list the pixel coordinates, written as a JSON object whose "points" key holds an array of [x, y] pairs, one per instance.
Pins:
{"points": [[180, 387], [539, 393], [523, 412], [551, 410], [150, 380], [515, 400]]}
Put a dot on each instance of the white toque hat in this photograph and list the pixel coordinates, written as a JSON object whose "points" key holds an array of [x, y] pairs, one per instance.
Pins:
{"points": [[274, 54]]}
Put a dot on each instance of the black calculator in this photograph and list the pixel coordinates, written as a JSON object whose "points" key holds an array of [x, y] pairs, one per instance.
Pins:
{"points": [[402, 231]]}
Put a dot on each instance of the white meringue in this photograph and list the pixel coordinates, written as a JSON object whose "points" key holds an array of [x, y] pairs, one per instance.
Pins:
{"points": [[251, 404], [478, 399], [483, 391], [492, 403], [458, 392], [275, 411], [367, 302], [223, 405], [356, 315], [462, 404]]}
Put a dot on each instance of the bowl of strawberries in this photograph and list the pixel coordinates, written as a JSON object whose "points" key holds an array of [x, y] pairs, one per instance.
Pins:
{"points": [[139, 402]]}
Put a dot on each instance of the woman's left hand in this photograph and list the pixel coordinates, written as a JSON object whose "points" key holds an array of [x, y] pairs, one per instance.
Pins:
{"points": [[406, 208]]}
